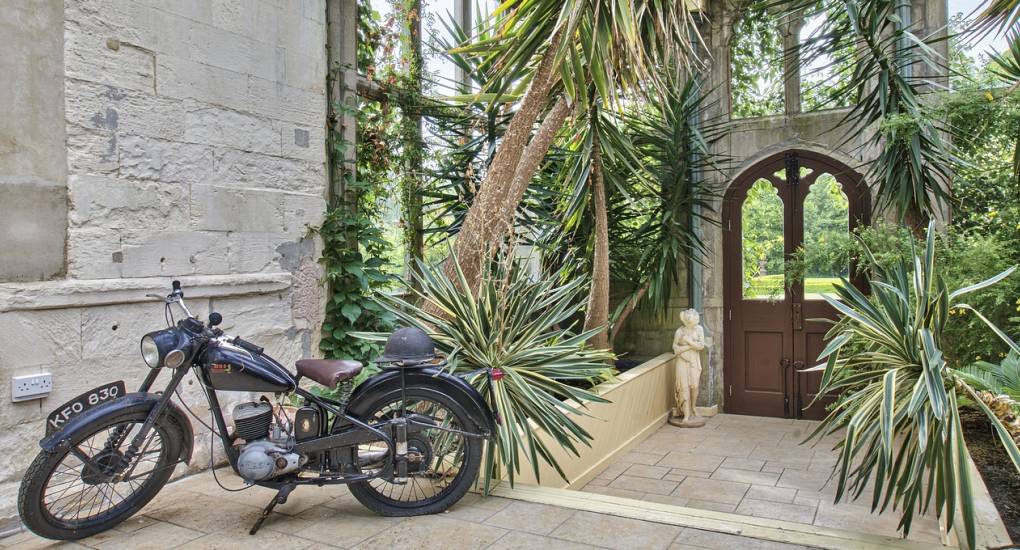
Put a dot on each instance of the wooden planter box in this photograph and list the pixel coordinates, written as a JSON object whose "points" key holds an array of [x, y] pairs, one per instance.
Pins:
{"points": [[640, 402]]}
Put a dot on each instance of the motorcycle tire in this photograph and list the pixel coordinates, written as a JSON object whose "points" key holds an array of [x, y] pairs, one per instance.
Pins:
{"points": [[43, 520], [371, 493]]}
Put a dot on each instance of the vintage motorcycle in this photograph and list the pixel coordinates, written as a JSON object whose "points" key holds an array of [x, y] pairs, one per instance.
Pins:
{"points": [[407, 441]]}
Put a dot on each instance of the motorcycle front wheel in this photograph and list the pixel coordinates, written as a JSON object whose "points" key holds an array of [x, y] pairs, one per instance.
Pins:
{"points": [[442, 464], [63, 498]]}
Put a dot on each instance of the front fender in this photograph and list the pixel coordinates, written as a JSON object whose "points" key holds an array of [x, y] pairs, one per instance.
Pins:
{"points": [[132, 402], [454, 386]]}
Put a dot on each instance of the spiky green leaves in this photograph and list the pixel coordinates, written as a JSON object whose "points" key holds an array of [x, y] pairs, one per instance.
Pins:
{"points": [[522, 326], [899, 398]]}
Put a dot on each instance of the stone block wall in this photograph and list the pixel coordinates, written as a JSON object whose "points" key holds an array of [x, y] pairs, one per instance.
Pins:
{"points": [[172, 140]]}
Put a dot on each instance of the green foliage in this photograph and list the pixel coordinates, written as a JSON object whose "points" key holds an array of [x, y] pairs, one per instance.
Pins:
{"points": [[673, 139], [968, 257], [756, 64], [518, 327], [886, 88], [899, 396], [826, 229], [998, 378], [655, 157], [763, 237], [354, 248], [617, 46]]}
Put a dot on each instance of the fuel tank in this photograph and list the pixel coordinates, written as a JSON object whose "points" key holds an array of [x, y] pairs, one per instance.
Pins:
{"points": [[229, 368]]}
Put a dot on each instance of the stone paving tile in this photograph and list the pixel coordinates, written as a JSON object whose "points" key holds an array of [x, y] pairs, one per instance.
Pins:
{"points": [[615, 532], [641, 470], [614, 470], [727, 492], [803, 480], [614, 492], [475, 507], [642, 457], [152, 537], [243, 541], [346, 527], [644, 485], [852, 517], [745, 476], [711, 505], [691, 461], [28, 541], [690, 473], [777, 477], [599, 482], [197, 513], [666, 499], [725, 448], [539, 519], [435, 532], [725, 541], [516, 540], [776, 510], [752, 464], [772, 494]]}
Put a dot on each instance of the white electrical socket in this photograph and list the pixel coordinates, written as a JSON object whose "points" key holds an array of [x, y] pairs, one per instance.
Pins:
{"points": [[31, 386]]}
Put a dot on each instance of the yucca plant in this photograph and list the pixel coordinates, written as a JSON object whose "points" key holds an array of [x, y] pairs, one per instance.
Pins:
{"points": [[514, 343], [898, 398]]}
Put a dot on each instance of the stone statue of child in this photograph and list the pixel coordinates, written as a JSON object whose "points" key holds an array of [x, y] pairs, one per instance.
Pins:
{"points": [[688, 342]]}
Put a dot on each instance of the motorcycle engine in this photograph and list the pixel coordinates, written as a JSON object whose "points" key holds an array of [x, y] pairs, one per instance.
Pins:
{"points": [[266, 451]]}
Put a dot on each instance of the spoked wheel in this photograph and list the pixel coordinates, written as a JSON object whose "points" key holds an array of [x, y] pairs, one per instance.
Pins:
{"points": [[75, 493], [442, 463]]}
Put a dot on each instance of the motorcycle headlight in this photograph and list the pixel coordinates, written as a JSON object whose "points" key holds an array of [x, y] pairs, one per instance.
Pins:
{"points": [[166, 348], [150, 352]]}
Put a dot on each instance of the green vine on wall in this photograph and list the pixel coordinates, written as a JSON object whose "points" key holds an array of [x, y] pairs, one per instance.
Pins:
{"points": [[355, 251]]}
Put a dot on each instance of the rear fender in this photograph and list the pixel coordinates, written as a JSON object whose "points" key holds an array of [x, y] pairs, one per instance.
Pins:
{"points": [[132, 402], [454, 386]]}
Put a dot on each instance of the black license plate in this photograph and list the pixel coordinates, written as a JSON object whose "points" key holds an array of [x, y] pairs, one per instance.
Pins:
{"points": [[96, 396]]}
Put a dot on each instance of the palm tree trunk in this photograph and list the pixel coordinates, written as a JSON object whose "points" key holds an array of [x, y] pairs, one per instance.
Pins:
{"points": [[597, 314], [530, 162], [632, 303], [478, 234]]}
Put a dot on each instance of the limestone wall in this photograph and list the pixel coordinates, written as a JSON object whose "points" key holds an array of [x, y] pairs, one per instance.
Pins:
{"points": [[179, 139]]}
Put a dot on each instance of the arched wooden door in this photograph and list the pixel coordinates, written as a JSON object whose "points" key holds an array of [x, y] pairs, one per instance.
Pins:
{"points": [[796, 205]]}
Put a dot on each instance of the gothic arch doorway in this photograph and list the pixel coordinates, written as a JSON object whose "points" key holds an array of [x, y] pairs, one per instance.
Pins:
{"points": [[792, 205]]}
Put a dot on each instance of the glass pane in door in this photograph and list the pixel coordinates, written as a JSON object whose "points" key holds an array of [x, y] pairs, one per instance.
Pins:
{"points": [[763, 243], [826, 237]]}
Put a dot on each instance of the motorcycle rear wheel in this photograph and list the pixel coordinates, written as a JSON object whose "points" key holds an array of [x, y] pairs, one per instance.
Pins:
{"points": [[61, 498], [442, 464]]}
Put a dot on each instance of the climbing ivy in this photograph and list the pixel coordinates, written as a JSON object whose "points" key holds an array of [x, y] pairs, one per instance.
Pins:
{"points": [[355, 251]]}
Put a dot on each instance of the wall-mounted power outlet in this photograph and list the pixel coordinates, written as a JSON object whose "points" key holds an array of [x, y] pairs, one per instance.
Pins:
{"points": [[31, 386]]}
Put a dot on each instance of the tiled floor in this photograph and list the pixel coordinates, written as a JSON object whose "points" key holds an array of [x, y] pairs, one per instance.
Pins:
{"points": [[196, 514], [751, 466]]}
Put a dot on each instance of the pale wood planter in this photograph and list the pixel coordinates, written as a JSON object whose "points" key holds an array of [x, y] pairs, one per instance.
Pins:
{"points": [[640, 402]]}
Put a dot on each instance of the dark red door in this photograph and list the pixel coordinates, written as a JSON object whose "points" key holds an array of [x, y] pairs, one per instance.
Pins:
{"points": [[795, 206]]}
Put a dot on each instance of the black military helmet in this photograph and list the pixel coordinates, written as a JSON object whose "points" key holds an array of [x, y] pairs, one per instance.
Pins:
{"points": [[408, 345]]}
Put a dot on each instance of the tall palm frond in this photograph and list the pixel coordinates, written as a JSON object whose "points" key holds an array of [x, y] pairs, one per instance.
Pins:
{"points": [[615, 45], [674, 140], [886, 86]]}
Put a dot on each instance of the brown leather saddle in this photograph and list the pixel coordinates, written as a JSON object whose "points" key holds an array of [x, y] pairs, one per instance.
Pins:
{"points": [[328, 372]]}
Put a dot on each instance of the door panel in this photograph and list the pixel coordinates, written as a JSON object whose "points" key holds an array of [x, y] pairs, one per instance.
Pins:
{"points": [[774, 329]]}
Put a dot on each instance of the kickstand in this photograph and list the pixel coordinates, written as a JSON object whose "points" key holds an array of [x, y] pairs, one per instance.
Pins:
{"points": [[279, 498]]}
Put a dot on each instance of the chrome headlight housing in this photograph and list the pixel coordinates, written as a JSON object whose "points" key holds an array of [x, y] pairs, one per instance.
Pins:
{"points": [[166, 348]]}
